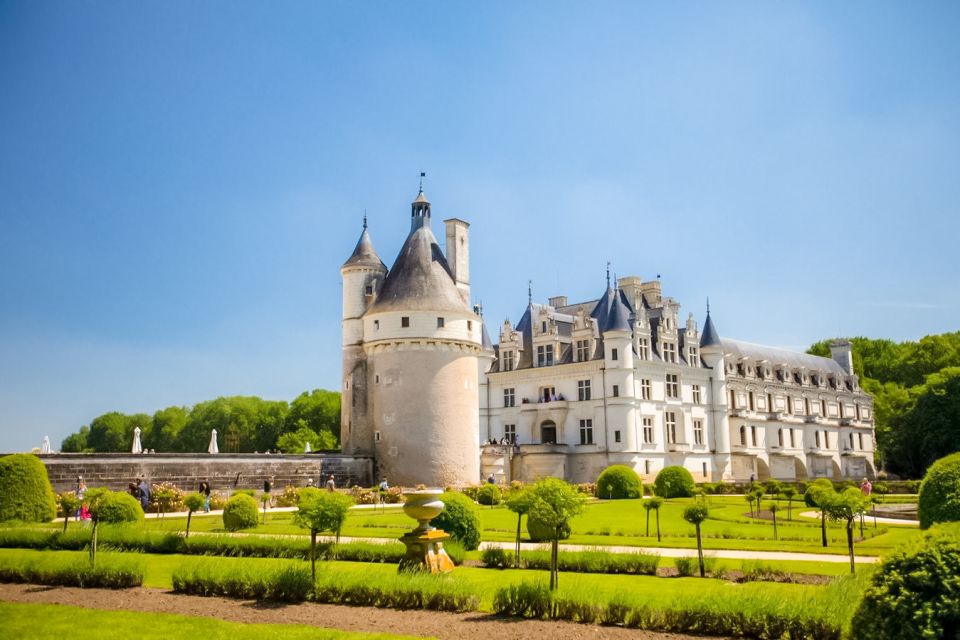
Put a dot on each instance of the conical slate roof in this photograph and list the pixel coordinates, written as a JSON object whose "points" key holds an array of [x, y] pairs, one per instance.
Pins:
{"points": [[364, 255], [485, 340], [709, 337], [420, 279], [619, 318]]}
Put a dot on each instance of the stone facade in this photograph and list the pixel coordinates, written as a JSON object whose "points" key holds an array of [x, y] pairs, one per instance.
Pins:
{"points": [[225, 472]]}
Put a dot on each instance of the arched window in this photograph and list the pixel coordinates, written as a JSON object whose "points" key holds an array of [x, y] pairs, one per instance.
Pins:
{"points": [[548, 432], [743, 436]]}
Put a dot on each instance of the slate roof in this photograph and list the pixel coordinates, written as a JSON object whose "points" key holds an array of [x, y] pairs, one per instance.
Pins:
{"points": [[364, 255], [775, 356], [709, 337]]}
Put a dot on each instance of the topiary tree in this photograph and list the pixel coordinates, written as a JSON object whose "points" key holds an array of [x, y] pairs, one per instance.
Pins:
{"points": [[519, 503], [915, 592], [789, 493], [69, 503], [193, 502], [845, 507], [321, 511], [695, 514], [751, 500], [619, 482], [459, 518], [940, 492], [111, 507], [774, 507], [489, 495], [674, 482], [554, 503], [820, 491], [653, 503], [773, 488], [240, 512], [25, 491]]}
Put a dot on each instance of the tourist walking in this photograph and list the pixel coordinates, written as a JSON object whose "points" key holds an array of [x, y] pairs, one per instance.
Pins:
{"points": [[866, 488], [331, 485], [81, 494], [267, 491], [384, 487], [205, 492], [144, 494]]}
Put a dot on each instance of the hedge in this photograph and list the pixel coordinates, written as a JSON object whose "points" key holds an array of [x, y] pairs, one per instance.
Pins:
{"points": [[619, 482], [240, 512], [25, 491], [460, 519], [674, 482], [940, 492]]}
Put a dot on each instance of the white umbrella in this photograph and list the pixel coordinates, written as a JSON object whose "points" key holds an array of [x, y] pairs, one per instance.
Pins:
{"points": [[307, 449], [45, 447], [137, 447], [213, 448]]}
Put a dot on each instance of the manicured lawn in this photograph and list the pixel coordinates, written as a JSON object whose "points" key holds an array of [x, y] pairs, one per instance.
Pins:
{"points": [[62, 621]]}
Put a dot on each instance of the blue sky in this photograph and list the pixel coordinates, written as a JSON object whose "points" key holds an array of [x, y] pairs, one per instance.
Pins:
{"points": [[180, 181]]}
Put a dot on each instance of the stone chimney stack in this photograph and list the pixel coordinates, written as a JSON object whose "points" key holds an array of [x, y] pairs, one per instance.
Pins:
{"points": [[842, 352], [458, 254]]}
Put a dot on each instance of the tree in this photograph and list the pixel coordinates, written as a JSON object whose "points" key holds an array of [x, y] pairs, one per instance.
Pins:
{"points": [[939, 499], [751, 500], [193, 502], [555, 503], [460, 518], [655, 503], [695, 514], [519, 503], [321, 511], [816, 494], [319, 411], [108, 433], [846, 507], [789, 493], [165, 430], [76, 442], [618, 482], [674, 482], [773, 488], [25, 491], [111, 507], [69, 503], [296, 441], [774, 507], [931, 428]]}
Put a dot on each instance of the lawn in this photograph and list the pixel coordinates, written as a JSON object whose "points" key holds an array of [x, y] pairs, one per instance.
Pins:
{"points": [[62, 621]]}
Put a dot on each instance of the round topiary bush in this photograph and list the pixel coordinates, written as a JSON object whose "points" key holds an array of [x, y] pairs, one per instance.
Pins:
{"points": [[940, 492], [674, 482], [25, 491], [540, 532], [489, 494], [460, 519], [619, 482], [240, 512], [114, 507], [914, 593]]}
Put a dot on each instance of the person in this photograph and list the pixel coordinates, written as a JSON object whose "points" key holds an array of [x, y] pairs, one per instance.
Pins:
{"points": [[133, 490], [267, 489], [751, 478], [866, 488], [81, 494], [205, 492], [491, 479], [331, 485], [144, 494], [383, 490], [310, 481]]}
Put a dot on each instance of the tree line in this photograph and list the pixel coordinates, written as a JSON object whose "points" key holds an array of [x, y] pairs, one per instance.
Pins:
{"points": [[244, 424], [916, 397]]}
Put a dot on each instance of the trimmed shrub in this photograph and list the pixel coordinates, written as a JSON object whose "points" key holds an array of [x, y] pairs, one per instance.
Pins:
{"points": [[495, 558], [618, 482], [460, 519], [940, 492], [595, 561], [25, 491], [674, 482], [116, 507], [489, 495], [108, 573], [240, 512], [915, 592], [540, 532]]}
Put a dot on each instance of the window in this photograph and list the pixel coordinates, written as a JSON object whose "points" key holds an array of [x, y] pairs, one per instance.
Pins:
{"points": [[586, 432], [469, 325], [616, 391], [510, 433], [816, 438], [792, 445], [692, 358], [369, 290], [583, 350], [646, 389], [673, 385], [704, 469], [743, 436], [669, 352], [509, 397], [405, 321], [616, 436], [789, 404], [643, 348], [545, 355], [698, 431], [780, 437], [439, 323], [548, 394], [753, 435], [376, 436], [648, 431], [851, 440], [697, 398], [750, 400], [376, 379], [670, 418], [508, 360], [376, 325], [860, 441], [543, 327], [646, 467], [583, 389], [823, 408], [614, 354]]}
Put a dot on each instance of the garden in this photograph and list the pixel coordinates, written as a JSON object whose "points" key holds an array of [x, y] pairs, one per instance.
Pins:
{"points": [[770, 562]]}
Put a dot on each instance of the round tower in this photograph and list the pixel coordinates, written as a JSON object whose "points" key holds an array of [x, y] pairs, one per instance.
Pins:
{"points": [[362, 275], [422, 343], [618, 370], [711, 351]]}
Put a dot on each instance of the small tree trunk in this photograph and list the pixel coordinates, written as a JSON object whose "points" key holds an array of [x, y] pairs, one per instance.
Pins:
{"points": [[648, 523], [774, 525], [874, 516], [336, 543], [66, 519], [313, 555], [189, 515], [93, 543], [658, 525], [861, 525], [700, 552], [516, 549], [823, 528], [850, 544], [790, 510]]}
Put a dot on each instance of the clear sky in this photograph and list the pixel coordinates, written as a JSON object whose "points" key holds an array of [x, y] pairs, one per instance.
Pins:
{"points": [[181, 181]]}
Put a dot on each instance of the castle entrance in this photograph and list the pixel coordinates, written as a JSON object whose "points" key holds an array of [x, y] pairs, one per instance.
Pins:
{"points": [[548, 432]]}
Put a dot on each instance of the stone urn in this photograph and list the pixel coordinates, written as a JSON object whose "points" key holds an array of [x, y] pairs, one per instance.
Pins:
{"points": [[423, 506]]}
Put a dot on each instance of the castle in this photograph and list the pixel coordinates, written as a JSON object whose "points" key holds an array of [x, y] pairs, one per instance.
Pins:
{"points": [[573, 388]]}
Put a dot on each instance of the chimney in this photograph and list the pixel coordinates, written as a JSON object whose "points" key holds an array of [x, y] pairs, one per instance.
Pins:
{"points": [[458, 254], [842, 352], [557, 301]]}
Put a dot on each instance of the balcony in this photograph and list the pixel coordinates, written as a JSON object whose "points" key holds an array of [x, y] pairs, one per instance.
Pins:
{"points": [[813, 420], [678, 447], [775, 415], [846, 422]]}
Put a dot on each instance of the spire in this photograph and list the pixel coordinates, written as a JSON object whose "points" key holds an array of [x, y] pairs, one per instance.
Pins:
{"points": [[364, 219], [529, 292], [709, 337], [608, 274], [619, 318], [420, 209], [364, 255]]}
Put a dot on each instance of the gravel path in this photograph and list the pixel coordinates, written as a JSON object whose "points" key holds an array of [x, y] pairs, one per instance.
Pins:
{"points": [[452, 626]]}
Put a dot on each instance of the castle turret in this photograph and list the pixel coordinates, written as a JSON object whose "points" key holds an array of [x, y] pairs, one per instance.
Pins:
{"points": [[618, 373], [422, 343], [711, 352]]}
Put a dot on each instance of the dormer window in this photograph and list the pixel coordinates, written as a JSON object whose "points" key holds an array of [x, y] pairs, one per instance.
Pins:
{"points": [[643, 349], [583, 350], [692, 358], [545, 355], [508, 360], [543, 327], [669, 352]]}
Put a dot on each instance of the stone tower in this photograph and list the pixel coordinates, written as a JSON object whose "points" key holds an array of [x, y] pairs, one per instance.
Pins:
{"points": [[417, 364], [711, 351]]}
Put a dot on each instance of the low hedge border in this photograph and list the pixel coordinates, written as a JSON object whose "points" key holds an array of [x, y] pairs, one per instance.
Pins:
{"points": [[589, 561], [107, 573]]}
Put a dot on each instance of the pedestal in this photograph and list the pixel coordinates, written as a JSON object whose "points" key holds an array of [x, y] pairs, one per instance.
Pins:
{"points": [[425, 552]]}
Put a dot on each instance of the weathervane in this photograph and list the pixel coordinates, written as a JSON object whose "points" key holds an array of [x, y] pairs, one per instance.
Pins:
{"points": [[608, 274], [364, 218], [423, 174], [529, 291]]}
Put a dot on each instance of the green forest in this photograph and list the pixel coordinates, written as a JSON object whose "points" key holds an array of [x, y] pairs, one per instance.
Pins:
{"points": [[244, 424], [916, 394]]}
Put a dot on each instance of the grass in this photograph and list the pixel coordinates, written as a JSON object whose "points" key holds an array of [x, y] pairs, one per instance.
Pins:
{"points": [[77, 623], [74, 570]]}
